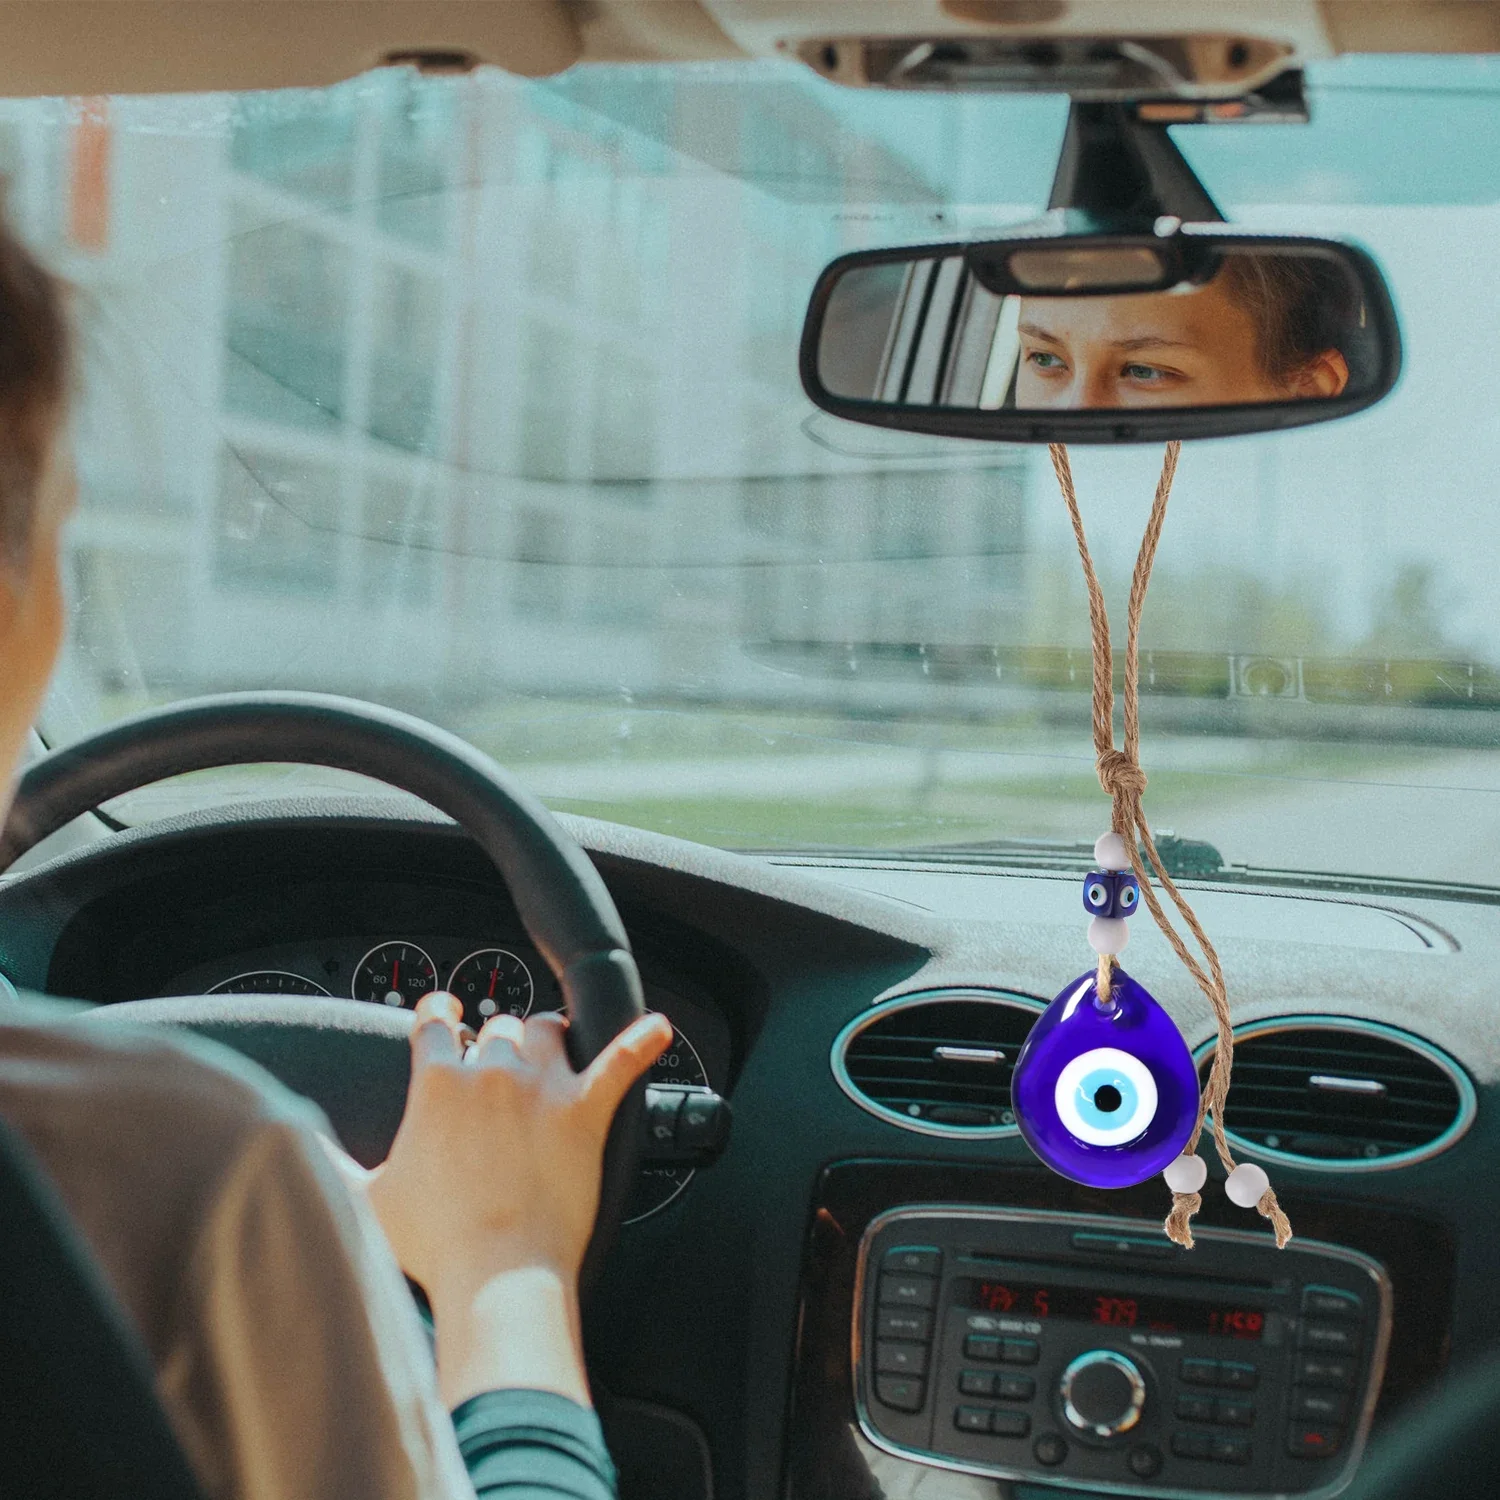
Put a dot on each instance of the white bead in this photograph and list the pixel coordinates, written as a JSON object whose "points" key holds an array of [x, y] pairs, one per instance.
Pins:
{"points": [[1187, 1174], [1108, 934], [1246, 1184], [1110, 852]]}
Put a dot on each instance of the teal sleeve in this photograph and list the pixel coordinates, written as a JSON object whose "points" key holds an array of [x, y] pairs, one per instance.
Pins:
{"points": [[533, 1445]]}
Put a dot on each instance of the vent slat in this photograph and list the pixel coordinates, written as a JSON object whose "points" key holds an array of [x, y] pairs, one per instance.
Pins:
{"points": [[1271, 1103], [892, 1063]]}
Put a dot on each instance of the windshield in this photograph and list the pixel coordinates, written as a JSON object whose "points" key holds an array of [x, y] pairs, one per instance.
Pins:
{"points": [[478, 397]]}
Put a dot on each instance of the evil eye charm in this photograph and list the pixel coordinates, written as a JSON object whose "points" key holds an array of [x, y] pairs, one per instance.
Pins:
{"points": [[1106, 1095], [1110, 893]]}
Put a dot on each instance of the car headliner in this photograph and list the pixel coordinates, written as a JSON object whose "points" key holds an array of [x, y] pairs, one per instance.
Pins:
{"points": [[86, 47]]}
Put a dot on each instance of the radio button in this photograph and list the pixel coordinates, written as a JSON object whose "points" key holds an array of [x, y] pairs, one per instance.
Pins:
{"points": [[1015, 1388], [1011, 1424], [915, 1260], [1191, 1444], [1234, 1413], [976, 1382], [1314, 1442], [1050, 1449], [899, 1323], [1195, 1408], [1320, 1406], [892, 1358], [1328, 1338], [983, 1346], [1330, 1302], [907, 1291], [1020, 1351], [972, 1418], [1228, 1450], [899, 1392], [1237, 1375], [1330, 1374], [1102, 1393], [1200, 1371]]}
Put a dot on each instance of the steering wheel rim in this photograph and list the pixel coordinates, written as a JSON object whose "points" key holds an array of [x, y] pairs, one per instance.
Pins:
{"points": [[561, 900]]}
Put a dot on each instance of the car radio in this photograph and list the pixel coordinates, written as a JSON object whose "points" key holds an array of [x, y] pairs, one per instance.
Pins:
{"points": [[1070, 1349]]}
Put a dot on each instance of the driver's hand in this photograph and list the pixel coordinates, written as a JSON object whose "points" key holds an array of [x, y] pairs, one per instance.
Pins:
{"points": [[496, 1166]]}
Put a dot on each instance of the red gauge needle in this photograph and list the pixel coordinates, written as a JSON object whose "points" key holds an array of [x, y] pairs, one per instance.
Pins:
{"points": [[396, 975], [494, 975]]}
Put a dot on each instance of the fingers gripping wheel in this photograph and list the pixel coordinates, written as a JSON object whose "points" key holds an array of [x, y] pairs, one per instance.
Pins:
{"points": [[562, 902]]}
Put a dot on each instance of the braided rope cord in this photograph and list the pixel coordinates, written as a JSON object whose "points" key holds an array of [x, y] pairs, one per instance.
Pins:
{"points": [[1121, 776]]}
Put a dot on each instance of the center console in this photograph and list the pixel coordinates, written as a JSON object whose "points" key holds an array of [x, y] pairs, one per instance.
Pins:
{"points": [[1089, 1352]]}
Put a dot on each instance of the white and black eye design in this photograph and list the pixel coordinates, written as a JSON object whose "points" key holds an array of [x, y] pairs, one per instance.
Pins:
{"points": [[1098, 896], [1106, 1097], [1125, 900]]}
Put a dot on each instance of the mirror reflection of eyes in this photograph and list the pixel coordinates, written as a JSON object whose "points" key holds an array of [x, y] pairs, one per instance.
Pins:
{"points": [[1050, 365]]}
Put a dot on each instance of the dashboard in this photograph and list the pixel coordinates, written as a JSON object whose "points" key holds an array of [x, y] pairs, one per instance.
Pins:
{"points": [[744, 1339]]}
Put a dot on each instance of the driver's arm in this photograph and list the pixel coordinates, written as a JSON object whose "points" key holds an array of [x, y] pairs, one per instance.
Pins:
{"points": [[496, 1237]]}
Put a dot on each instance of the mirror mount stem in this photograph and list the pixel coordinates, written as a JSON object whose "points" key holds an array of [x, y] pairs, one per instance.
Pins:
{"points": [[1115, 170]]}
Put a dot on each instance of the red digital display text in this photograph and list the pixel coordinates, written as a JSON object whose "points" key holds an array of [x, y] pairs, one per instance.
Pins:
{"points": [[1023, 1299]]}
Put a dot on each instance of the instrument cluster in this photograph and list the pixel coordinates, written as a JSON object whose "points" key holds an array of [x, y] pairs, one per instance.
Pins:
{"points": [[489, 981], [489, 977]]}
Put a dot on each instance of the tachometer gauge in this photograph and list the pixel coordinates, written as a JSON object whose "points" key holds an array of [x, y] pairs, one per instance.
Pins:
{"points": [[267, 982], [656, 1187], [394, 973], [492, 982]]}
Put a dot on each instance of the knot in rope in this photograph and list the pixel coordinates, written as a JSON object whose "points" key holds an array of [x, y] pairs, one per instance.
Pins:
{"points": [[1120, 774]]}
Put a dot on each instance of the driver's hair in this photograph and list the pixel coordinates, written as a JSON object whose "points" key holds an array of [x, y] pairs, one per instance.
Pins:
{"points": [[1301, 305], [35, 357]]}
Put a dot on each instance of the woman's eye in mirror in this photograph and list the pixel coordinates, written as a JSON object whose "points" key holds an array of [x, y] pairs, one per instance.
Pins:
{"points": [[1047, 361], [1150, 374]]}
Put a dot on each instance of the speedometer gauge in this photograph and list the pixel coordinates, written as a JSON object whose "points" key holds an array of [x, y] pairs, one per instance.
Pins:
{"points": [[267, 982], [394, 973], [656, 1187], [491, 982]]}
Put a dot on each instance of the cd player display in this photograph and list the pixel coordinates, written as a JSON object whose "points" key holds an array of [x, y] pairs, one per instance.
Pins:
{"points": [[1110, 1308]]}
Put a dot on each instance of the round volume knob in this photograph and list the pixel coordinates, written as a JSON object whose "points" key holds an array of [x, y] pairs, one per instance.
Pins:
{"points": [[1102, 1393]]}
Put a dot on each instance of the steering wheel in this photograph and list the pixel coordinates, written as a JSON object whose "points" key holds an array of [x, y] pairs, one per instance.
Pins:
{"points": [[352, 1059]]}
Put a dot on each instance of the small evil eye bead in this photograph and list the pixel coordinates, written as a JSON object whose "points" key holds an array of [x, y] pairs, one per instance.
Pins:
{"points": [[1099, 893], [1110, 893]]}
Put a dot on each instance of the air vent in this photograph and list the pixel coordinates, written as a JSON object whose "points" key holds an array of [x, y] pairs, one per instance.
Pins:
{"points": [[938, 1062], [1337, 1094]]}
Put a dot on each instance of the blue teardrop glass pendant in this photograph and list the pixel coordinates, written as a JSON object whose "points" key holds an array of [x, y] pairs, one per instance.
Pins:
{"points": [[1105, 1094]]}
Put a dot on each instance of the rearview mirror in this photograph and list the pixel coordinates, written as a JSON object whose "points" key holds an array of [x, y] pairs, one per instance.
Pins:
{"points": [[1101, 338]]}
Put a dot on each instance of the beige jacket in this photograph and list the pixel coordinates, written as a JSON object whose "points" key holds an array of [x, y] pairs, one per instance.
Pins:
{"points": [[288, 1353]]}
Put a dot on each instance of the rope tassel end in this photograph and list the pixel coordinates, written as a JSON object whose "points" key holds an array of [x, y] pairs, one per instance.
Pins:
{"points": [[1179, 1222]]}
